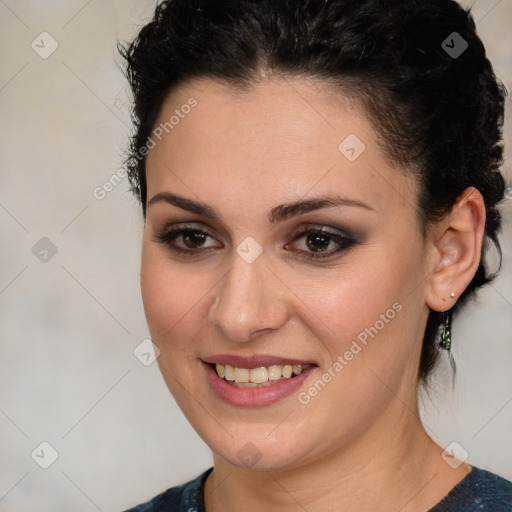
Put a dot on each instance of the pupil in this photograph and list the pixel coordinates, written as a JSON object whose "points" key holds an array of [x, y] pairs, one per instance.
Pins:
{"points": [[194, 238], [316, 240]]}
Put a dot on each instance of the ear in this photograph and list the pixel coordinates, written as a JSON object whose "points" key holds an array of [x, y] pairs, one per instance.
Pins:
{"points": [[455, 250]]}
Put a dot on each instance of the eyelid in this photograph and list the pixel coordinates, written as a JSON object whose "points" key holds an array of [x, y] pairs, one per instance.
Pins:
{"points": [[298, 231], [193, 225], [322, 228]]}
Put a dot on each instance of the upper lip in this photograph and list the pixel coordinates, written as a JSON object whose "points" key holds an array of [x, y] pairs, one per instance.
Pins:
{"points": [[254, 361]]}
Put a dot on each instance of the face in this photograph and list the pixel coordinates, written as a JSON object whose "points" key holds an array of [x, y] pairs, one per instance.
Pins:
{"points": [[232, 274]]}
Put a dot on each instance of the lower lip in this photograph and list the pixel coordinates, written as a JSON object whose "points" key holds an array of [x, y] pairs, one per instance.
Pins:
{"points": [[255, 396]]}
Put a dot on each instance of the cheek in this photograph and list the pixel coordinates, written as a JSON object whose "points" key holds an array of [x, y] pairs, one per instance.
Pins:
{"points": [[169, 307], [346, 299], [173, 298], [363, 311], [164, 293]]}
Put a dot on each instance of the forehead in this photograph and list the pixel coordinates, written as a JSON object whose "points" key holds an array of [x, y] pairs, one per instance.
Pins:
{"points": [[281, 139]]}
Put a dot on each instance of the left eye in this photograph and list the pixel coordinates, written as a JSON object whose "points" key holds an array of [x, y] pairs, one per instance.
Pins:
{"points": [[317, 240]]}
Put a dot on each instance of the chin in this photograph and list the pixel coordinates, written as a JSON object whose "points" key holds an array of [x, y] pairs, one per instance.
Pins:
{"points": [[257, 453]]}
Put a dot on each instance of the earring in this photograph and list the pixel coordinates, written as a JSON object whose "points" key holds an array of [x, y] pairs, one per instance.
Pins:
{"points": [[446, 340]]}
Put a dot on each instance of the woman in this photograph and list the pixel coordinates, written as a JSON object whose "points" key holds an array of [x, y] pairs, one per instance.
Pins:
{"points": [[319, 181]]}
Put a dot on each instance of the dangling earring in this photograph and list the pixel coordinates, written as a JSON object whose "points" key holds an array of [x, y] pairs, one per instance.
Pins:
{"points": [[446, 340]]}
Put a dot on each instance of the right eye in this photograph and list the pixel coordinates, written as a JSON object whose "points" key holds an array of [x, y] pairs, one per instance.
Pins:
{"points": [[193, 240]]}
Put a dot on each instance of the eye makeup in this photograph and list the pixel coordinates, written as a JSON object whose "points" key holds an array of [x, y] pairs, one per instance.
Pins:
{"points": [[189, 241]]}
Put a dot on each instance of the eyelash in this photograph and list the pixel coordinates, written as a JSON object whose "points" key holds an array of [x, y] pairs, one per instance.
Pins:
{"points": [[346, 242]]}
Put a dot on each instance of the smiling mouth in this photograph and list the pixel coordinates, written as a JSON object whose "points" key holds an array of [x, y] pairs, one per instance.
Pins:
{"points": [[258, 377]]}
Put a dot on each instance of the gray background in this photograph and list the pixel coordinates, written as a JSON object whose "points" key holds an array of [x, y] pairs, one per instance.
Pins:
{"points": [[69, 326]]}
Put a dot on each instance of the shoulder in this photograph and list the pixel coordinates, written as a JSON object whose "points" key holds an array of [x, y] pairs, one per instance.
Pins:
{"points": [[181, 498], [480, 491]]}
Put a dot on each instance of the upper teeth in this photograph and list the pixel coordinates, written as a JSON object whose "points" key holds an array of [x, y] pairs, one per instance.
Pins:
{"points": [[257, 375]]}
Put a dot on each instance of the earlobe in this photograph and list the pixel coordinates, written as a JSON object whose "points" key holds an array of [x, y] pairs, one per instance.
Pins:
{"points": [[457, 251]]}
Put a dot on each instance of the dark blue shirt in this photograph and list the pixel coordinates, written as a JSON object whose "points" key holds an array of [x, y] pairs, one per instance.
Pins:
{"points": [[479, 491]]}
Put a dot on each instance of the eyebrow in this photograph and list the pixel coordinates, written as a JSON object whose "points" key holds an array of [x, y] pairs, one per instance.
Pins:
{"points": [[276, 214]]}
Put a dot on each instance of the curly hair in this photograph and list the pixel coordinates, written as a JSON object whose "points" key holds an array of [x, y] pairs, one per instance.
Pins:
{"points": [[438, 115]]}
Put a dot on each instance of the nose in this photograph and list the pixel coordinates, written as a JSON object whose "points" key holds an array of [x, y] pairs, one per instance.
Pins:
{"points": [[249, 301]]}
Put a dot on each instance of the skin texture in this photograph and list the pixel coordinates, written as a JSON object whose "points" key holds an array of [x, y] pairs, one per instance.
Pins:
{"points": [[359, 442]]}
